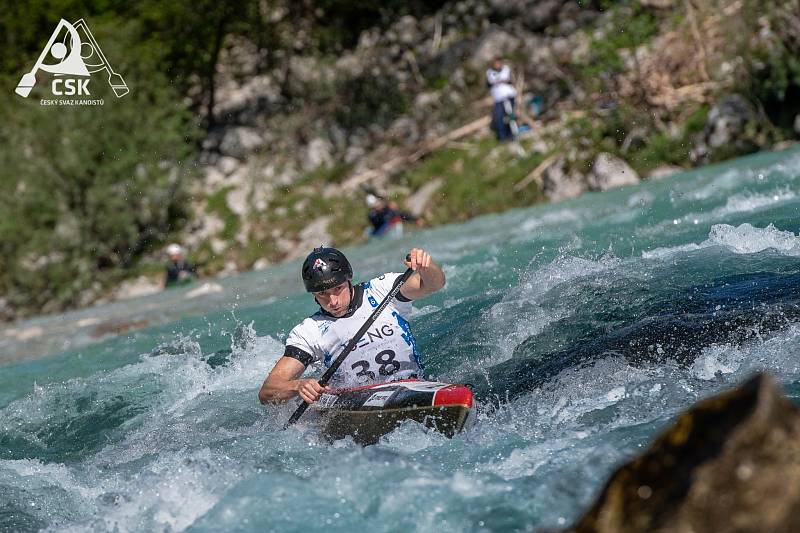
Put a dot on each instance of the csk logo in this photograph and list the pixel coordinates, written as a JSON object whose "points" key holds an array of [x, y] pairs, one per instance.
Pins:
{"points": [[78, 56]]}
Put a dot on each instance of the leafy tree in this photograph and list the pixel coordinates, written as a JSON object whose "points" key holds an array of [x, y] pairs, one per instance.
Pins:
{"points": [[85, 190]]}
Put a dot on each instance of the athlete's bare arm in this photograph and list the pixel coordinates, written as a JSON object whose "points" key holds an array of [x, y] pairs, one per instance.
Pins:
{"points": [[282, 383], [427, 278]]}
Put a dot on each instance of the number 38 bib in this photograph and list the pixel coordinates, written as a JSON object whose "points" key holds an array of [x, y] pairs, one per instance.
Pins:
{"points": [[387, 350]]}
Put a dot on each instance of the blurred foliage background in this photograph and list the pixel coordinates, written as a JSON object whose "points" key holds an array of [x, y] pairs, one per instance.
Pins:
{"points": [[88, 192]]}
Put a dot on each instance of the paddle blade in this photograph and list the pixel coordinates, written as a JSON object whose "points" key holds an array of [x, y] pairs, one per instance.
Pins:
{"points": [[117, 84], [26, 84]]}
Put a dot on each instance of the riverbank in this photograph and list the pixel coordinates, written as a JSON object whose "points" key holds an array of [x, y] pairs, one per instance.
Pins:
{"points": [[265, 158]]}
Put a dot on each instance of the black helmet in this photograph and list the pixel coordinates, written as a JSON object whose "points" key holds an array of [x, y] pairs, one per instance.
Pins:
{"points": [[325, 268]]}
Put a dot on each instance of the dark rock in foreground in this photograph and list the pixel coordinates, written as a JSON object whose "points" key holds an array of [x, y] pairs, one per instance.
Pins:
{"points": [[730, 463]]}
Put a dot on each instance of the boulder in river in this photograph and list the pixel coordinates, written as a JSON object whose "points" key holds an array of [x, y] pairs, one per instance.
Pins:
{"points": [[730, 463]]}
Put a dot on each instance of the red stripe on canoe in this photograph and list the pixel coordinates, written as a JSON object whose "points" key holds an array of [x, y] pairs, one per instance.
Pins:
{"points": [[453, 395]]}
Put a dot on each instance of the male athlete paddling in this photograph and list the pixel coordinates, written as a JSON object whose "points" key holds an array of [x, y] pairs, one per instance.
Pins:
{"points": [[386, 352]]}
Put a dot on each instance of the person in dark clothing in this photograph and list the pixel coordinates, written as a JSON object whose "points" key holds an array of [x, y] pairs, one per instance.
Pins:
{"points": [[383, 215], [179, 271]]}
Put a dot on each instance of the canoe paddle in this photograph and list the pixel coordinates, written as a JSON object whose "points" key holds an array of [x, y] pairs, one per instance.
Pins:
{"points": [[326, 377]]}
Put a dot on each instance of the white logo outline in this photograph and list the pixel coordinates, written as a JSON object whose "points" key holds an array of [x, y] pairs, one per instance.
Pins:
{"points": [[72, 63]]}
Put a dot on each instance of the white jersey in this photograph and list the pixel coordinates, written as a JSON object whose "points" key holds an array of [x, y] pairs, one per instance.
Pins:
{"points": [[500, 84], [386, 352]]}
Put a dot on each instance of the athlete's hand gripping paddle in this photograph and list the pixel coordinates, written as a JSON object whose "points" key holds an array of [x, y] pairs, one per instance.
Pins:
{"points": [[326, 377]]}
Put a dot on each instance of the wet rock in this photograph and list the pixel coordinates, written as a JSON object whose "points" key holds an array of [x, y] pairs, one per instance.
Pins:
{"points": [[730, 463], [783, 145], [797, 124], [261, 263], [609, 172], [557, 185]]}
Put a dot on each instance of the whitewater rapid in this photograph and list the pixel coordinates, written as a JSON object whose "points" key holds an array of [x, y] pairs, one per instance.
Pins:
{"points": [[584, 327]]}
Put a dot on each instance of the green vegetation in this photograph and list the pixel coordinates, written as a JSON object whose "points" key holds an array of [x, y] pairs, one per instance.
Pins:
{"points": [[632, 137], [295, 206], [772, 74], [87, 191], [217, 203], [477, 180], [369, 99], [630, 25]]}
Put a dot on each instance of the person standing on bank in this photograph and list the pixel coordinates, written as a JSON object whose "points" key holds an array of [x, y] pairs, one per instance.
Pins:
{"points": [[387, 352], [499, 81]]}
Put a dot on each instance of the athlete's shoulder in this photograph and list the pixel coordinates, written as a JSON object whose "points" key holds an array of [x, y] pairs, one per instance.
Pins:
{"points": [[381, 283], [317, 323], [388, 277]]}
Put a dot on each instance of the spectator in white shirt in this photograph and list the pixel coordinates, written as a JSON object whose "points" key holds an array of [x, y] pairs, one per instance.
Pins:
{"points": [[499, 81]]}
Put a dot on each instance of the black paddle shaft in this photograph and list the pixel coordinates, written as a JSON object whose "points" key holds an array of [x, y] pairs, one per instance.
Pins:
{"points": [[326, 377]]}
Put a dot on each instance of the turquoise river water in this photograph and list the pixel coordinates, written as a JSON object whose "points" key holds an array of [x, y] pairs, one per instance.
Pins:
{"points": [[584, 327]]}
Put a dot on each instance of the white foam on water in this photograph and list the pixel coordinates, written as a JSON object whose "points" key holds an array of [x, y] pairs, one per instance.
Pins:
{"points": [[525, 462], [518, 316], [584, 406], [168, 494], [742, 239], [747, 239], [730, 363], [411, 437], [572, 217], [748, 202], [730, 179], [45, 476], [736, 178], [640, 198], [188, 384], [716, 360], [422, 311], [174, 487], [462, 276], [667, 252]]}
